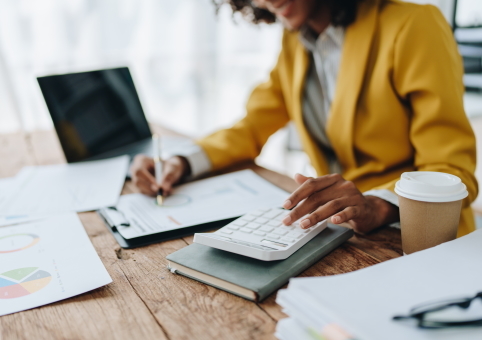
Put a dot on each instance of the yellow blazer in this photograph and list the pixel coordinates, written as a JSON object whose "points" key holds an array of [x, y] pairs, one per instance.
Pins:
{"points": [[397, 107]]}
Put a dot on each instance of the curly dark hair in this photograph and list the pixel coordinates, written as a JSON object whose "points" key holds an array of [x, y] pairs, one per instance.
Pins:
{"points": [[343, 12]]}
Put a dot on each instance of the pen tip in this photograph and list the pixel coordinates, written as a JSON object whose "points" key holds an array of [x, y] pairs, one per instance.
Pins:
{"points": [[160, 200]]}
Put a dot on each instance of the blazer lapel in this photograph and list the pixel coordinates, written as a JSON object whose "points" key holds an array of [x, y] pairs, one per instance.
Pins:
{"points": [[356, 51]]}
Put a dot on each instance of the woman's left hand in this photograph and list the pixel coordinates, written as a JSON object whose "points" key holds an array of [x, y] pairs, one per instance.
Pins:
{"points": [[331, 195]]}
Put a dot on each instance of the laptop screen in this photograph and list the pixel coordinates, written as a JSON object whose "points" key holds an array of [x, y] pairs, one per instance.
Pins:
{"points": [[94, 112]]}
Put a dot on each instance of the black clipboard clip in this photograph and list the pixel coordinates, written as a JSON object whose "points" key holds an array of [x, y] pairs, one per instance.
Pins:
{"points": [[114, 218]]}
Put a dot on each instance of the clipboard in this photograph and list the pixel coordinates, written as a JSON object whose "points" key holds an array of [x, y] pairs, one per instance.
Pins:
{"points": [[113, 218], [206, 204]]}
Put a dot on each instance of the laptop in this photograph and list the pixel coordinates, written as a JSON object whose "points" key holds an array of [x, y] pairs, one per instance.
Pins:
{"points": [[97, 114]]}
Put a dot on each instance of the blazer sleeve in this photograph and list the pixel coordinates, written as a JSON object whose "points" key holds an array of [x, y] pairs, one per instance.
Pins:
{"points": [[427, 75], [266, 112]]}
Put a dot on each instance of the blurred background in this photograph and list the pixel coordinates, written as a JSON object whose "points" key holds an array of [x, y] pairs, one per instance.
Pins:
{"points": [[193, 68]]}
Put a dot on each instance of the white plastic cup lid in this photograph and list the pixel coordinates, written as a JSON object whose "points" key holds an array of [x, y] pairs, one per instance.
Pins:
{"points": [[430, 186]]}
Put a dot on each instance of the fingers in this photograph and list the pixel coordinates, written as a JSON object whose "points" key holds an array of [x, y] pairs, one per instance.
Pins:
{"points": [[310, 186], [146, 188], [300, 179], [346, 215], [142, 171], [305, 207], [142, 175], [342, 207], [172, 173], [146, 182], [142, 162]]}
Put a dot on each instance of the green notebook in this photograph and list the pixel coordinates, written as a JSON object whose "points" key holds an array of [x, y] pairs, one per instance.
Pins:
{"points": [[247, 277]]}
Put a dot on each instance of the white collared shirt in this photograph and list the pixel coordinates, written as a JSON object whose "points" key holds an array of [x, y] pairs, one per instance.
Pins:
{"points": [[320, 85]]}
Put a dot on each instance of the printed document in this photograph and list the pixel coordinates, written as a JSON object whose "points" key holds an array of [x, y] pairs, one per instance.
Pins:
{"points": [[46, 261], [364, 302], [6, 185], [65, 187], [202, 201]]}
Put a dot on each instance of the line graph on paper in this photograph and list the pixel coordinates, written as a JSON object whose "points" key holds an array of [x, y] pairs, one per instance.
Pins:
{"points": [[208, 200], [176, 200]]}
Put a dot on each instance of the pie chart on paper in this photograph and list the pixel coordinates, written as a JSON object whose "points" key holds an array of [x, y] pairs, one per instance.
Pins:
{"points": [[23, 281]]}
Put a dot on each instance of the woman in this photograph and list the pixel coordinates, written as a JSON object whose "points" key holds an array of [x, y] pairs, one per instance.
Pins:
{"points": [[374, 88]]}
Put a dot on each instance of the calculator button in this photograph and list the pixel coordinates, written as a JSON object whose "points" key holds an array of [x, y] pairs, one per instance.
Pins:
{"points": [[294, 234], [273, 243], [288, 239], [257, 213], [274, 223], [272, 214], [266, 228], [260, 233], [280, 231], [249, 218], [246, 230], [261, 220], [232, 227], [240, 223], [282, 216], [272, 237], [225, 231], [252, 225]]}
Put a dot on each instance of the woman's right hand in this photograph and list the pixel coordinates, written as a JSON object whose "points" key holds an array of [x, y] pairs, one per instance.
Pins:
{"points": [[142, 172]]}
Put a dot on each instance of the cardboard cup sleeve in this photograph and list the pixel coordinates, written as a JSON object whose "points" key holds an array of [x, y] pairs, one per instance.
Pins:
{"points": [[427, 224]]}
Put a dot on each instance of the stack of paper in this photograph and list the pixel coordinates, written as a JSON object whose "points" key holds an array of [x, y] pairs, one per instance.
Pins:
{"points": [[39, 191], [364, 302]]}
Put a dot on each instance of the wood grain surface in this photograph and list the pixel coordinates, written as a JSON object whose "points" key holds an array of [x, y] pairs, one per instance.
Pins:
{"points": [[146, 301]]}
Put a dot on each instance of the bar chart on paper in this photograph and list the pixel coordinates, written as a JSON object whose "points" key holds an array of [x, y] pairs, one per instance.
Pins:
{"points": [[23, 281]]}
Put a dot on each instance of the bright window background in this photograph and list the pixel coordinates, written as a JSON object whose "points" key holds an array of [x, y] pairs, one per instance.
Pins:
{"points": [[446, 6], [193, 69], [469, 13]]}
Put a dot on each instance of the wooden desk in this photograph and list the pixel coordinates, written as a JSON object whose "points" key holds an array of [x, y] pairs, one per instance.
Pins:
{"points": [[146, 301]]}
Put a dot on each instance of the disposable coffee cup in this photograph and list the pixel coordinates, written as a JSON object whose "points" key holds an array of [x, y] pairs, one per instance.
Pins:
{"points": [[430, 205]]}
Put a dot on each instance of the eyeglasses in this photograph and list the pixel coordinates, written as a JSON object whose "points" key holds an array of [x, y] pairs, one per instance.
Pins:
{"points": [[445, 314]]}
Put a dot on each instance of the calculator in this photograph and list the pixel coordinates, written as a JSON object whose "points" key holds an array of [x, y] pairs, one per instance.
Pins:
{"points": [[261, 235]]}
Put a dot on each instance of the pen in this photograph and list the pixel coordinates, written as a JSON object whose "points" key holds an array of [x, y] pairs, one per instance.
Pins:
{"points": [[156, 141]]}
